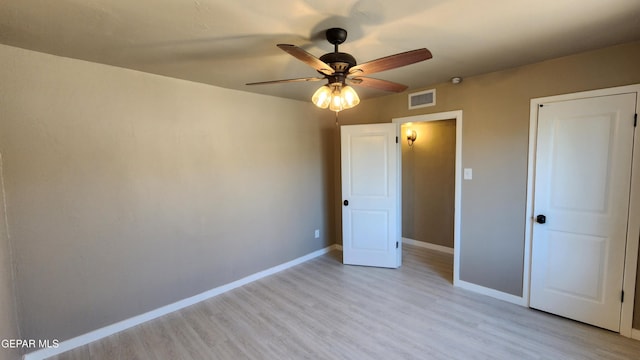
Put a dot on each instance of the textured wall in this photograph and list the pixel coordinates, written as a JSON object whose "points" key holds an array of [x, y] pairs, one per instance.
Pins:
{"points": [[128, 191]]}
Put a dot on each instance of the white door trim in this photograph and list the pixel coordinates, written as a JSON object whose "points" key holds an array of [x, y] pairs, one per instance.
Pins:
{"points": [[633, 229], [457, 115]]}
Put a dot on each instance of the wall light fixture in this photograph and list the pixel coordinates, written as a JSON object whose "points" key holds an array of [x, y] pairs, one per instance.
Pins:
{"points": [[411, 136]]}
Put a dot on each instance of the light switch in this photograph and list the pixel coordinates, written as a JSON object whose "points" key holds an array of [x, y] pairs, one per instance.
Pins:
{"points": [[468, 173]]}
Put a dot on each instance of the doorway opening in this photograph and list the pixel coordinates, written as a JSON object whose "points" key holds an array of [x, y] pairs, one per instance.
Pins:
{"points": [[431, 171], [428, 179]]}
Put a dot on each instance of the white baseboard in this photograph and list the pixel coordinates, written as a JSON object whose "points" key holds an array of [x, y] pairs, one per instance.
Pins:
{"points": [[467, 285], [635, 334], [518, 300], [427, 245], [139, 319]]}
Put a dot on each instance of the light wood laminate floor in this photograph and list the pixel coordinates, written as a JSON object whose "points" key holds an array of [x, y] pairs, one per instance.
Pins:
{"points": [[324, 310]]}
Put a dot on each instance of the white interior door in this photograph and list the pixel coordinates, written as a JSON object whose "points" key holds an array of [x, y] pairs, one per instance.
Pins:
{"points": [[370, 195], [582, 184]]}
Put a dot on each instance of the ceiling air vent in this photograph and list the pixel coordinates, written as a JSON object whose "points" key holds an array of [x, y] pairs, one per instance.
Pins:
{"points": [[422, 99]]}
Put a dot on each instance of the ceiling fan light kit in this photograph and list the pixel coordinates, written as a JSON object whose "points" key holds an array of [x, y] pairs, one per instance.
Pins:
{"points": [[341, 70], [336, 97]]}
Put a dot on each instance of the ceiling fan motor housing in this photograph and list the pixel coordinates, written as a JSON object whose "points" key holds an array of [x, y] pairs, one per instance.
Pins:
{"points": [[339, 61]]}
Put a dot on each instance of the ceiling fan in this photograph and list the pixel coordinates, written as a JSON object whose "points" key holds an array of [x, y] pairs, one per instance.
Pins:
{"points": [[341, 70]]}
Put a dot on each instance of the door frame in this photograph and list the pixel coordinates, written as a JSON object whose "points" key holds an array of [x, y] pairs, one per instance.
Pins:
{"points": [[633, 227], [448, 115]]}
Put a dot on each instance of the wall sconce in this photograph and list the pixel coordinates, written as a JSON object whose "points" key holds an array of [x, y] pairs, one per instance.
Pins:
{"points": [[411, 136]]}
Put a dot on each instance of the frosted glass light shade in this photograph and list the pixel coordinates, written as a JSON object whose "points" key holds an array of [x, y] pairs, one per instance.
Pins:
{"points": [[322, 97], [336, 100], [336, 97], [349, 97]]}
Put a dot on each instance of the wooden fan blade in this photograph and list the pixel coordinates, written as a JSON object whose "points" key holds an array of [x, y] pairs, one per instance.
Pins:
{"points": [[307, 58], [285, 81], [391, 62], [377, 84]]}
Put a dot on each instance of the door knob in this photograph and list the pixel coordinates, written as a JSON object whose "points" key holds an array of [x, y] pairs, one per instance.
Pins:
{"points": [[346, 203], [541, 219]]}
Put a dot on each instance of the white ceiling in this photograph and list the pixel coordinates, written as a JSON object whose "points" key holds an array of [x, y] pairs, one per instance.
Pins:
{"points": [[230, 43]]}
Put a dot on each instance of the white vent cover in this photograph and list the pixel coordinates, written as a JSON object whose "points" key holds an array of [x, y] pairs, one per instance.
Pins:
{"points": [[422, 99]]}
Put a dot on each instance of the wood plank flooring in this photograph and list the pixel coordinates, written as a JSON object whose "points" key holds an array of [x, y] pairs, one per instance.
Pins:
{"points": [[324, 310]]}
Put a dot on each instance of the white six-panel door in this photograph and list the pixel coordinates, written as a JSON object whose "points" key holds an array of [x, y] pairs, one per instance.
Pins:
{"points": [[370, 195], [582, 184]]}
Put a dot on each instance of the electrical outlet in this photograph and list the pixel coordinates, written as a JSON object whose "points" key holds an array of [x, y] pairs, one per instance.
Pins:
{"points": [[317, 233]]}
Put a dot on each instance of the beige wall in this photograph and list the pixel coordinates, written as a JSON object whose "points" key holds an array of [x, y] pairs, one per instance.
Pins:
{"points": [[428, 182], [636, 305], [128, 191], [8, 319], [495, 144]]}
